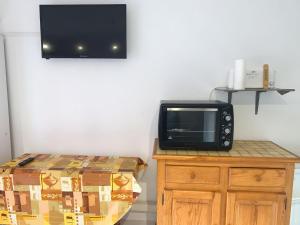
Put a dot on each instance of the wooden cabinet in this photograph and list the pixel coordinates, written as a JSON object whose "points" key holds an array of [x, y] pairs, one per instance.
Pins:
{"points": [[192, 175], [250, 185], [257, 177], [192, 207], [244, 208]]}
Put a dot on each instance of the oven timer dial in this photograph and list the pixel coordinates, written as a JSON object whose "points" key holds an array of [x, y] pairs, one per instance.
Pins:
{"points": [[227, 131], [227, 118], [226, 143]]}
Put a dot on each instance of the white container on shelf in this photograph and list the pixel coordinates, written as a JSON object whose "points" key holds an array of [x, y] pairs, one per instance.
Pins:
{"points": [[239, 74], [230, 79], [254, 78]]}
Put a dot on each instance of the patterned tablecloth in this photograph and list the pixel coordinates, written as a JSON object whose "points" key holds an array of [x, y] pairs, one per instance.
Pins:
{"points": [[68, 190]]}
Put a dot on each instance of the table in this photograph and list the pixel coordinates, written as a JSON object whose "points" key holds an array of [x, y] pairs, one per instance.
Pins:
{"points": [[68, 189]]}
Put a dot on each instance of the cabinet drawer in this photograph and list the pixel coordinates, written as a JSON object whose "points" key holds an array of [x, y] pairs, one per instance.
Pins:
{"points": [[192, 175], [257, 177]]}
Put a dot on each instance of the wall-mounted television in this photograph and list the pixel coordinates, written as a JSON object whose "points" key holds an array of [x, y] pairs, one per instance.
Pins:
{"points": [[83, 31]]}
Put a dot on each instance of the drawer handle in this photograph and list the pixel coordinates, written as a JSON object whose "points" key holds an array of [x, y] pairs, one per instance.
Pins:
{"points": [[258, 178], [193, 175]]}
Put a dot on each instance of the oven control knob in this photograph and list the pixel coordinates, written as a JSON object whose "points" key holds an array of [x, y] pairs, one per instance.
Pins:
{"points": [[226, 143], [227, 130], [228, 118]]}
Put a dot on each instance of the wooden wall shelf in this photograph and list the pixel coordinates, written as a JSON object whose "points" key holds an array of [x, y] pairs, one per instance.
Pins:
{"points": [[258, 91]]}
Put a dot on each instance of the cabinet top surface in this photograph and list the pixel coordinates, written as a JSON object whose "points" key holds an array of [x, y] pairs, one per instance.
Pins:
{"points": [[241, 150]]}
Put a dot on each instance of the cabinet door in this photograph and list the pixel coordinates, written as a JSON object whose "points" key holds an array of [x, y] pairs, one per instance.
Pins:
{"points": [[192, 208], [245, 208]]}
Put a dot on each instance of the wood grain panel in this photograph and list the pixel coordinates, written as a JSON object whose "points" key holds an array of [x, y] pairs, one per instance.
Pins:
{"points": [[194, 208], [289, 191], [256, 177], [192, 175], [160, 186], [255, 209]]}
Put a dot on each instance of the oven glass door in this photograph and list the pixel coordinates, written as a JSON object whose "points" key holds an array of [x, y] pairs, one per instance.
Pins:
{"points": [[192, 125]]}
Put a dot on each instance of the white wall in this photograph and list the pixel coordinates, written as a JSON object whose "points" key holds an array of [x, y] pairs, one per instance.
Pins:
{"points": [[5, 144], [176, 50]]}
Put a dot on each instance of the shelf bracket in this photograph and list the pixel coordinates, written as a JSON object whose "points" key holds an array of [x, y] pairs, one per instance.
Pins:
{"points": [[283, 92], [229, 96], [257, 97], [257, 91]]}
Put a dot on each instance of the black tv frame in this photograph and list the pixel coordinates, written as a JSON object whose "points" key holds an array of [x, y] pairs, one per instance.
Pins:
{"points": [[81, 57]]}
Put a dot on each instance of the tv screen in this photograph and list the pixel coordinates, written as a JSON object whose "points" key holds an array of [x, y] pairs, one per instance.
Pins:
{"points": [[83, 31]]}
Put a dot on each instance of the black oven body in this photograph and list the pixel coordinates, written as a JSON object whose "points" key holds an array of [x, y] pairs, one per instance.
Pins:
{"points": [[197, 125]]}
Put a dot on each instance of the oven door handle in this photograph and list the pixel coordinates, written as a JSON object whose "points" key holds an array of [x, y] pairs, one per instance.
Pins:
{"points": [[192, 109]]}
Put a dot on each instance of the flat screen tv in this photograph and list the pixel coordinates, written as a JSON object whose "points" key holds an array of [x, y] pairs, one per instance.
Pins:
{"points": [[83, 31]]}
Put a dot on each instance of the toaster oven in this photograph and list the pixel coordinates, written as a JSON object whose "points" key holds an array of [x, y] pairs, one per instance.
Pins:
{"points": [[199, 125]]}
